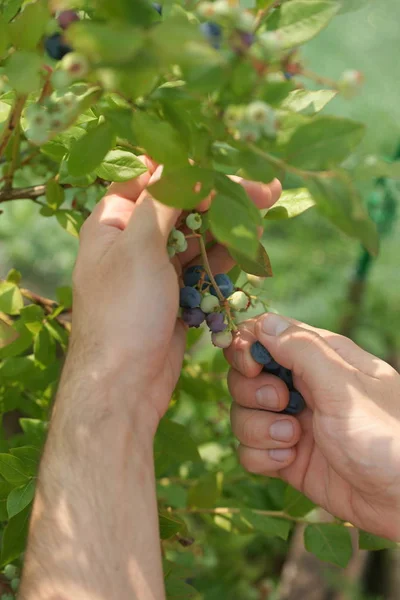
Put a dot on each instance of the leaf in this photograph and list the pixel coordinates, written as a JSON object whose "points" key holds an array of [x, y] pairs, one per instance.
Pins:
{"points": [[329, 542], [270, 526], [113, 43], [23, 71], [178, 589], [323, 142], [5, 489], [368, 541], [338, 200], [373, 166], [14, 276], [234, 218], [88, 151], [169, 526], [11, 300], [314, 101], [173, 445], [64, 296], [159, 139], [352, 5], [30, 25], [296, 504], [12, 469], [32, 316], [299, 21], [55, 195], [35, 430], [204, 493], [70, 220], [180, 187], [17, 342], [120, 165], [9, 8], [291, 204], [14, 537], [20, 498], [260, 265], [44, 347], [30, 457], [4, 41]]}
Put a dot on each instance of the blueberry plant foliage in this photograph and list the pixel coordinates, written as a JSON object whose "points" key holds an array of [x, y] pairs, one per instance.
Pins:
{"points": [[208, 89]]}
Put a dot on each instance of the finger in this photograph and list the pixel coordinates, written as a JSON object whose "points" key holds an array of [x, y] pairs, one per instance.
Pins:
{"points": [[264, 195], [266, 462], [304, 352], [265, 392], [263, 430], [238, 354]]}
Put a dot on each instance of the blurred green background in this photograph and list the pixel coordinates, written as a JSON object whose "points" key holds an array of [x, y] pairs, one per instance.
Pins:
{"points": [[313, 263]]}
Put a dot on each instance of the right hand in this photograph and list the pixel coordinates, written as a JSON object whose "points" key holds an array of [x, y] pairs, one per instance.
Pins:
{"points": [[343, 451]]}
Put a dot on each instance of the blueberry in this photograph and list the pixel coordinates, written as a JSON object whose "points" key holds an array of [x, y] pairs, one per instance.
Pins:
{"points": [[296, 404], [247, 39], [189, 298], [222, 339], [192, 275], [215, 322], [56, 47], [157, 7], [260, 354], [286, 376], [66, 17], [225, 285], [273, 368], [212, 32], [193, 317]]}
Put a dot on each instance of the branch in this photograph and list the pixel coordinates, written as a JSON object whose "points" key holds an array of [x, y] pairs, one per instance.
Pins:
{"points": [[13, 121], [27, 193]]}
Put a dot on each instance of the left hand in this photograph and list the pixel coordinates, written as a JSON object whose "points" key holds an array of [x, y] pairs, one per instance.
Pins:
{"points": [[126, 289]]}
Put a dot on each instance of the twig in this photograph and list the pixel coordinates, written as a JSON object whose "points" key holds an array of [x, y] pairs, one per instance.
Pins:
{"points": [[326, 81], [9, 178], [27, 193], [281, 164], [13, 121]]}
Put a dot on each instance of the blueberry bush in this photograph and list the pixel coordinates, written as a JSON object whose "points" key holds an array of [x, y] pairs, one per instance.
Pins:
{"points": [[208, 89]]}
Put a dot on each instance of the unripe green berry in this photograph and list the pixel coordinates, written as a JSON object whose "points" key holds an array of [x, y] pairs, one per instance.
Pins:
{"points": [[209, 303], [76, 65], [259, 113], [182, 246], [272, 42], [238, 300], [7, 597], [171, 251], [350, 83], [222, 339], [206, 9], [61, 79], [15, 584], [250, 132], [246, 22], [10, 571], [255, 280], [37, 135], [194, 221]]}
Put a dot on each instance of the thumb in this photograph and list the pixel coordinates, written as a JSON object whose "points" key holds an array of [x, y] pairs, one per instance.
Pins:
{"points": [[306, 354]]}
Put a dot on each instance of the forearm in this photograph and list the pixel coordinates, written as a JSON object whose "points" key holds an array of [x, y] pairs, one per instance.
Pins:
{"points": [[94, 527]]}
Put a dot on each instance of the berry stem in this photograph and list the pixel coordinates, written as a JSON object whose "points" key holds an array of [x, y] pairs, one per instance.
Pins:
{"points": [[12, 123], [192, 235], [326, 81], [207, 267], [9, 177]]}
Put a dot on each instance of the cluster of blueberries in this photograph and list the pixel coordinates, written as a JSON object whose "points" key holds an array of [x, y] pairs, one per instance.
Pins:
{"points": [[263, 357], [56, 46]]}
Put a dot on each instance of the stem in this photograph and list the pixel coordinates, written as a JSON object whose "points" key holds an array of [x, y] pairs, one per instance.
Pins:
{"points": [[319, 79], [280, 164], [13, 121], [9, 178], [207, 267], [27, 193]]}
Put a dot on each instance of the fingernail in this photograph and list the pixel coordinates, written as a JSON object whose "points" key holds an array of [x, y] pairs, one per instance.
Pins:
{"points": [[274, 324], [282, 431], [267, 397], [280, 454]]}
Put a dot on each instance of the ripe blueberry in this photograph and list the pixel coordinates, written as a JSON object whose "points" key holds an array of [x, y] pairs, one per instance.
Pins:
{"points": [[56, 47], [260, 354], [192, 275], [215, 322], [213, 33], [273, 368], [189, 297], [225, 285], [193, 317], [209, 303], [222, 340], [296, 404], [286, 376]]}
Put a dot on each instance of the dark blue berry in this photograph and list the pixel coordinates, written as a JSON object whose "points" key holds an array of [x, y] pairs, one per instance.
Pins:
{"points": [[225, 285], [273, 367], [288, 76], [56, 47], [157, 7], [260, 354], [193, 317], [213, 33], [247, 39], [189, 297], [296, 404], [192, 275], [286, 376], [215, 322]]}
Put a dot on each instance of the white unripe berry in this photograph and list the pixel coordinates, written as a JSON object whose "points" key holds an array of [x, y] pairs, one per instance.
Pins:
{"points": [[222, 339]]}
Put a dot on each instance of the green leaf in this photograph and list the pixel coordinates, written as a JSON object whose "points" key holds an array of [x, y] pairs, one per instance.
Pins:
{"points": [[16, 340], [169, 526], [314, 101], [234, 218], [30, 457], [70, 220], [88, 151], [254, 166], [30, 25], [329, 542], [5, 489], [9, 8], [323, 143], [368, 541], [20, 498], [352, 5], [55, 195], [14, 537], [173, 445], [178, 589], [120, 165], [299, 21], [44, 347], [338, 200], [373, 166], [14, 276], [4, 40], [64, 296], [180, 187], [11, 300], [12, 469], [204, 493], [296, 504], [32, 316], [111, 43], [291, 204], [260, 265], [139, 12], [269, 526], [23, 71], [159, 139], [35, 430]]}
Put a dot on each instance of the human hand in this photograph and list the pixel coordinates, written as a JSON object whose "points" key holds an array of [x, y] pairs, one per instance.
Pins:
{"points": [[126, 288], [343, 451]]}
